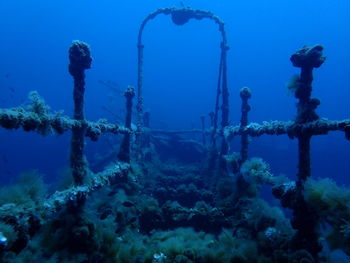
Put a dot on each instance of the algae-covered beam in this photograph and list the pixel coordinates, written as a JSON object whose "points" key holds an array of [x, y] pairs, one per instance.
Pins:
{"points": [[27, 220], [59, 199], [292, 129], [55, 123], [76, 193]]}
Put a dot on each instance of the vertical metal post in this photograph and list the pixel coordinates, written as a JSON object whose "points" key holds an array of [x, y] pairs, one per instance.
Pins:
{"points": [[225, 99], [80, 60], [124, 152], [305, 220], [245, 95]]}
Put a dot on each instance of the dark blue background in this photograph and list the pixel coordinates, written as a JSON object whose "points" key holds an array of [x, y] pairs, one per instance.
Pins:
{"points": [[181, 66]]}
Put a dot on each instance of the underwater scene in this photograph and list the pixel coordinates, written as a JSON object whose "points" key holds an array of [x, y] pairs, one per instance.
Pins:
{"points": [[165, 131]]}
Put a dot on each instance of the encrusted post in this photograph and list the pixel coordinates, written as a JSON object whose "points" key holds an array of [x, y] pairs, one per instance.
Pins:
{"points": [[80, 60], [245, 95], [307, 59], [124, 152], [305, 220]]}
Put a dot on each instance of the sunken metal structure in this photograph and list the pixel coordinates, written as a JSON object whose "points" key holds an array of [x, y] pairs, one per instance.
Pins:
{"points": [[307, 124]]}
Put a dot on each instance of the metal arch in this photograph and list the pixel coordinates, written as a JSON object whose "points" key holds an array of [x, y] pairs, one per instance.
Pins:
{"points": [[181, 16]]}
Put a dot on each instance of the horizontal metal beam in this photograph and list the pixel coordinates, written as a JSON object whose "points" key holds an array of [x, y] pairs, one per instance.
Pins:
{"points": [[292, 129], [47, 123]]}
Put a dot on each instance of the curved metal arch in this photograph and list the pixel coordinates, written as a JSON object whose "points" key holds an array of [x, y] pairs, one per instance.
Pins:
{"points": [[181, 16]]}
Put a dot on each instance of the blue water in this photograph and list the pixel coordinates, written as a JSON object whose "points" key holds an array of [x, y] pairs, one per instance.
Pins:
{"points": [[180, 73]]}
